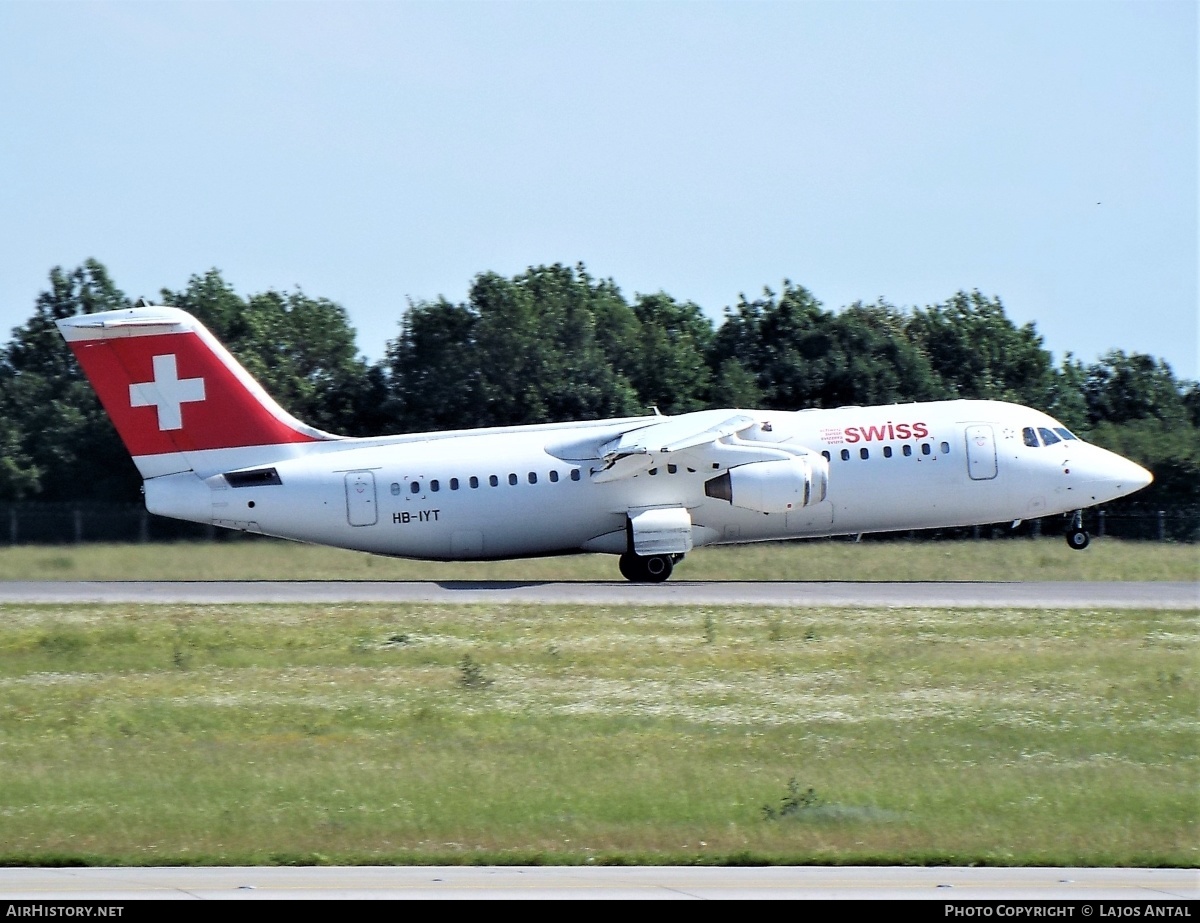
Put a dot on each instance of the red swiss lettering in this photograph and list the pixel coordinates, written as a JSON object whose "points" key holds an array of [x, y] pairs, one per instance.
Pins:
{"points": [[880, 433]]}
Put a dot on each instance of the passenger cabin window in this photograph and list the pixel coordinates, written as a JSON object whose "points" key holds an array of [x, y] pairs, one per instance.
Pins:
{"points": [[434, 485], [574, 474], [493, 480], [907, 451], [864, 454], [474, 482], [454, 483], [826, 454], [532, 477], [887, 451], [845, 455], [1048, 436], [415, 487], [512, 480], [395, 490], [925, 450], [945, 448], [553, 477]]}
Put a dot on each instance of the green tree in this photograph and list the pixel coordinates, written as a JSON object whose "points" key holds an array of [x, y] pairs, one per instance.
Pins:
{"points": [[60, 444], [979, 353], [735, 386], [1191, 400], [1137, 408], [1121, 388], [1172, 454], [521, 350], [776, 338], [18, 476], [670, 370], [739, 339], [1067, 402], [300, 349], [540, 354], [873, 361], [434, 378], [804, 356]]}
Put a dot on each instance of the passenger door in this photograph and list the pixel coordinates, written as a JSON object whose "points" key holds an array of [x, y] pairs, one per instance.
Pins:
{"points": [[361, 508], [981, 452]]}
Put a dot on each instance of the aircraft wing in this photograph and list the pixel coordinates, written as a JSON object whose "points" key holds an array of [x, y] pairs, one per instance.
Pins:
{"points": [[675, 434], [635, 450]]}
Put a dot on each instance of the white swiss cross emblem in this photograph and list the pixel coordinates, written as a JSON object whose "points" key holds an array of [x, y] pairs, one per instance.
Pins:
{"points": [[167, 392]]}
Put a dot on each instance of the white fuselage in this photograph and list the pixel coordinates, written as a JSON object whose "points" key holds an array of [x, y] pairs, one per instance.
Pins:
{"points": [[542, 490]]}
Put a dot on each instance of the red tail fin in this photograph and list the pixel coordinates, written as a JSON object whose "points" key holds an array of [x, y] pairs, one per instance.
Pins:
{"points": [[172, 390]]}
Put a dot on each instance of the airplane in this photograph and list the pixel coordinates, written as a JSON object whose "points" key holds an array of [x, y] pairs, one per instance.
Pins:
{"points": [[213, 447]]}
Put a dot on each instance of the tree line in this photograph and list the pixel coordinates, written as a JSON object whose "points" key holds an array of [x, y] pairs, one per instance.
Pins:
{"points": [[554, 344]]}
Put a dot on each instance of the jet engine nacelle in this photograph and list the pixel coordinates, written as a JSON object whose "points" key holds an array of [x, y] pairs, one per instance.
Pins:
{"points": [[773, 486]]}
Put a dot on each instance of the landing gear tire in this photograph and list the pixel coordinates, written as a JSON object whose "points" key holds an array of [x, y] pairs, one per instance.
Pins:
{"points": [[654, 568]]}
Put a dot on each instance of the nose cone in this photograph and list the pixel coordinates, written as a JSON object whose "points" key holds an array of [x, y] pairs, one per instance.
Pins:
{"points": [[1097, 476], [1123, 476], [1138, 477]]}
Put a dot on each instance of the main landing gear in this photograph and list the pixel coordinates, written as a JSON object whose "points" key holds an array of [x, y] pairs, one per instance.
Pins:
{"points": [[652, 568], [1077, 537]]}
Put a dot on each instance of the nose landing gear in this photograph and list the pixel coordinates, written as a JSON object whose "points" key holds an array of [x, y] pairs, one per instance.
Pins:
{"points": [[1077, 537]]}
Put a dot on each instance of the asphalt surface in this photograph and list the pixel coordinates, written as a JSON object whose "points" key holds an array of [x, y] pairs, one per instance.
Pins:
{"points": [[1164, 888]]}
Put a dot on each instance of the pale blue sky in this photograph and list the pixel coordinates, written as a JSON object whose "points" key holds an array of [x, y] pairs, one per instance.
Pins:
{"points": [[1044, 152]]}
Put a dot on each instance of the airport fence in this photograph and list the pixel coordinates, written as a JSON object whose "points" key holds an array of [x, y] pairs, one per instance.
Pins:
{"points": [[77, 523]]}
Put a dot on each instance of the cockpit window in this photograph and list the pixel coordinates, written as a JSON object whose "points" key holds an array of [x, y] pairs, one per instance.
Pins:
{"points": [[1047, 435], [1030, 436], [1064, 432]]}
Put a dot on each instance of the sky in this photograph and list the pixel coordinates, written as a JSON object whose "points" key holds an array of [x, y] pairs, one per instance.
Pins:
{"points": [[379, 153]]}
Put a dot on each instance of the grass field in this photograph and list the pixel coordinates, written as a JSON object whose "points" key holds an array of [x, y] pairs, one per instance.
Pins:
{"points": [[522, 734], [264, 559]]}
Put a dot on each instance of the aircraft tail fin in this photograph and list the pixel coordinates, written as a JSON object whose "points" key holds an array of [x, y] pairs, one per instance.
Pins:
{"points": [[178, 399]]}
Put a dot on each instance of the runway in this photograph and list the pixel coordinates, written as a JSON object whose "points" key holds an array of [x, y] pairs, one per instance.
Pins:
{"points": [[1081, 595], [1160, 887]]}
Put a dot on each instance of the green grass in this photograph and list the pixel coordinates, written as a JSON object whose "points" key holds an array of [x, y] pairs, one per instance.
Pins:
{"points": [[263, 559], [515, 734]]}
